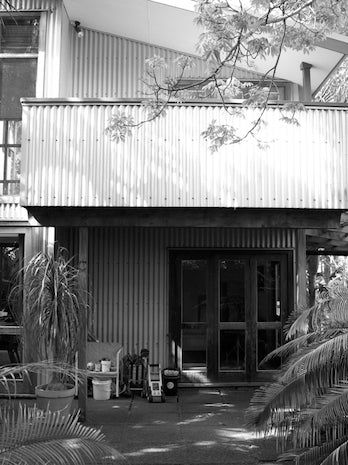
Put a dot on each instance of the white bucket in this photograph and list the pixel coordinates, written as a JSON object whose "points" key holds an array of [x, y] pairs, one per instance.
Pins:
{"points": [[101, 389]]}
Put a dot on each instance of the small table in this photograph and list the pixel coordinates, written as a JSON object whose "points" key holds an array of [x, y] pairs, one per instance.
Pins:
{"points": [[97, 351], [102, 374]]}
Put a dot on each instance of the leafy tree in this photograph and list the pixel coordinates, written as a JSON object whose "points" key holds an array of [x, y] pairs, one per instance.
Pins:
{"points": [[235, 34], [336, 87], [306, 408], [7, 5]]}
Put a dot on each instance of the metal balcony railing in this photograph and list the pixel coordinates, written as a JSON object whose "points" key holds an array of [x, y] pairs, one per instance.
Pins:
{"points": [[69, 160]]}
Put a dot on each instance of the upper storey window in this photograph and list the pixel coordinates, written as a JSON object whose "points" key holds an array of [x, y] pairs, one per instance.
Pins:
{"points": [[19, 35], [19, 39], [10, 156], [208, 90], [17, 80]]}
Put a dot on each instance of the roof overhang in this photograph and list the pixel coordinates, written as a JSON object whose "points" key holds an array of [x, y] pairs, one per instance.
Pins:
{"points": [[329, 241], [172, 27]]}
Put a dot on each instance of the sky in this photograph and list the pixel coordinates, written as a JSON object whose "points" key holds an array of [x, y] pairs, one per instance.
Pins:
{"points": [[189, 4], [185, 4]]}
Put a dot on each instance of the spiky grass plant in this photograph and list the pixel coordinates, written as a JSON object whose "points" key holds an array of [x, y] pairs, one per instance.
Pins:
{"points": [[54, 306], [306, 408], [29, 436]]}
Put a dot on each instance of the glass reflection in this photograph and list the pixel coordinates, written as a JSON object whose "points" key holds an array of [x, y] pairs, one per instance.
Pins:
{"points": [[232, 281], [232, 350], [194, 343], [268, 340], [268, 291], [194, 290]]}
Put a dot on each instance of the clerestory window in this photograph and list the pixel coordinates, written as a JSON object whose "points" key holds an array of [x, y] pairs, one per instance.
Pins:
{"points": [[19, 34]]}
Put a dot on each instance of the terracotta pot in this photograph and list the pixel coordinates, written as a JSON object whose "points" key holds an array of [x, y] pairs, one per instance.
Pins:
{"points": [[55, 400]]}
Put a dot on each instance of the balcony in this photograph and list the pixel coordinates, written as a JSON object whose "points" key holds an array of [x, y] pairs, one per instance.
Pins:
{"points": [[69, 160]]}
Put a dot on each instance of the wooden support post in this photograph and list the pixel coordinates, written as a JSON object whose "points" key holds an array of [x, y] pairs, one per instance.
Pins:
{"points": [[306, 82], [83, 278], [312, 271], [301, 281], [30, 381]]}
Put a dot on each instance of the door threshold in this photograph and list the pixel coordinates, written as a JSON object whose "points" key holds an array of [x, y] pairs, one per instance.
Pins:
{"points": [[217, 384]]}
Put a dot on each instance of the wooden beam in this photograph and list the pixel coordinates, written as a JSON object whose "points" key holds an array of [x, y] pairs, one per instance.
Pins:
{"points": [[82, 347], [336, 45], [312, 271], [336, 235], [186, 217], [327, 241], [301, 264]]}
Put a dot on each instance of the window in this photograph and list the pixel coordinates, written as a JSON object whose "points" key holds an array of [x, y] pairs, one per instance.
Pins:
{"points": [[208, 91], [19, 38], [17, 79], [10, 156], [18, 62], [10, 311], [18, 34]]}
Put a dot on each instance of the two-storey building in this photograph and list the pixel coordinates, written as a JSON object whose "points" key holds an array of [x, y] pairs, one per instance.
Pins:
{"points": [[198, 257]]}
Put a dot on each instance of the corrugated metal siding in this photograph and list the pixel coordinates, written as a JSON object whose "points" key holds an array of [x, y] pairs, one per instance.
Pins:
{"points": [[105, 65], [128, 272], [36, 240], [70, 161], [57, 54], [67, 33], [27, 5], [12, 212]]}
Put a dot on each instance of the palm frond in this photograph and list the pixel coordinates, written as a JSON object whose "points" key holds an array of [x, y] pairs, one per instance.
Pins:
{"points": [[307, 374], [329, 409], [270, 404], [301, 325], [290, 347], [319, 454], [338, 308], [285, 393], [307, 406], [9, 375], [31, 436], [324, 363], [338, 456]]}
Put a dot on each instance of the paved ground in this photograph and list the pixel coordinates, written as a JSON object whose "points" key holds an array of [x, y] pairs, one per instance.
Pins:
{"points": [[204, 426]]}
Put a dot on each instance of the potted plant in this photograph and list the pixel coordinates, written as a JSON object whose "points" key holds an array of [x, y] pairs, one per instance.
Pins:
{"points": [[53, 307]]}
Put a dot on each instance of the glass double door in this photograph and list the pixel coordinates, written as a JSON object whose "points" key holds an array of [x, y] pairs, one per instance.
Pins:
{"points": [[228, 310]]}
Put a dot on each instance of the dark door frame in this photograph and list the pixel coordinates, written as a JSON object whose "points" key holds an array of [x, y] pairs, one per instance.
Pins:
{"points": [[213, 255]]}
